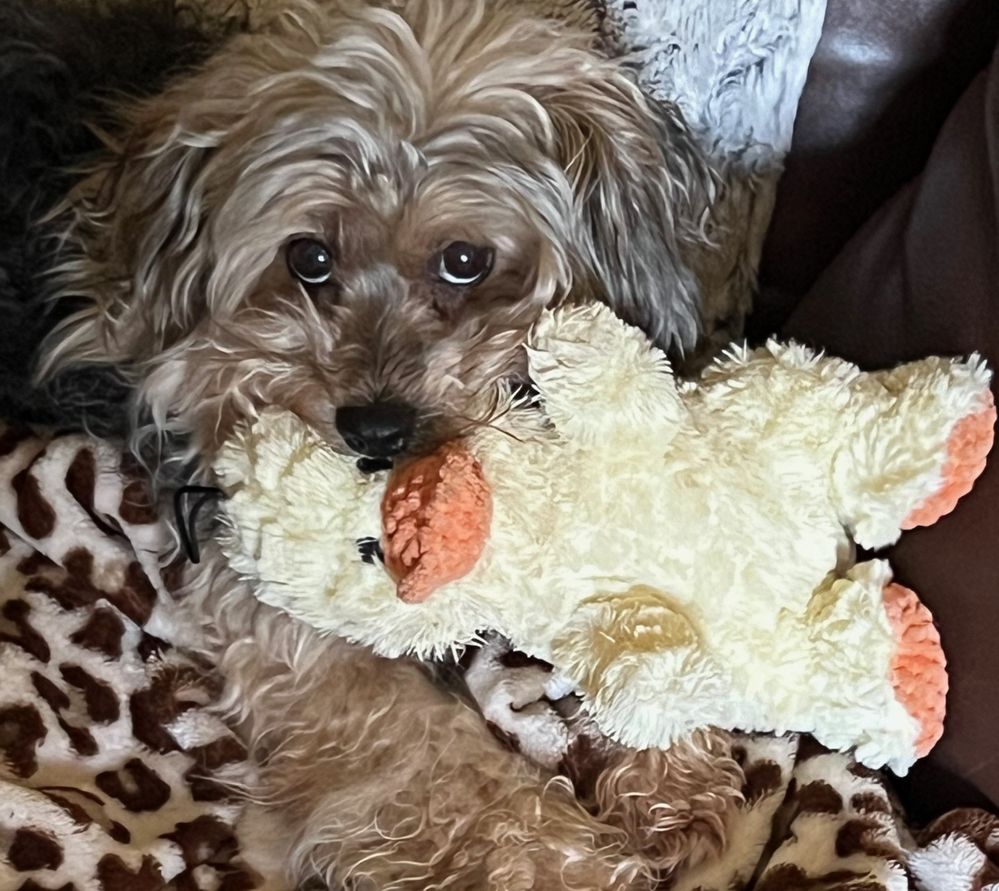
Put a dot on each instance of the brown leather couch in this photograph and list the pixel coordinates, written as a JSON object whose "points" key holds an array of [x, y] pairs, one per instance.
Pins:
{"points": [[885, 246]]}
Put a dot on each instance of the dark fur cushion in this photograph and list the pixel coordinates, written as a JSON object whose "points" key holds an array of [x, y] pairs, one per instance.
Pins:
{"points": [[61, 64]]}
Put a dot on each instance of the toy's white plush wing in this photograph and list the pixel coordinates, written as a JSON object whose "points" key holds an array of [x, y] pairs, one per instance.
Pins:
{"points": [[303, 524], [601, 379]]}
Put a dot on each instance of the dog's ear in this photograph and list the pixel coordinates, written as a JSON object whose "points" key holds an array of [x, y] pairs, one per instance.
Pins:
{"points": [[642, 189], [129, 269]]}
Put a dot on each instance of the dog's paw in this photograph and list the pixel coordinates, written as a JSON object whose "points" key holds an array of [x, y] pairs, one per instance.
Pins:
{"points": [[515, 694]]}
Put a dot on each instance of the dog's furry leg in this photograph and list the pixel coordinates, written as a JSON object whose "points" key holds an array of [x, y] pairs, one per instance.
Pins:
{"points": [[673, 804], [380, 778]]}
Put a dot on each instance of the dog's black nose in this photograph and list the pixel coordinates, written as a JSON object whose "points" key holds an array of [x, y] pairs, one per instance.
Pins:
{"points": [[379, 430]]}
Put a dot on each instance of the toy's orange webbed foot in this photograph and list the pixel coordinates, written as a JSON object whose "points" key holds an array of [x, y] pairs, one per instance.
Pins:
{"points": [[435, 515], [967, 448], [918, 668]]}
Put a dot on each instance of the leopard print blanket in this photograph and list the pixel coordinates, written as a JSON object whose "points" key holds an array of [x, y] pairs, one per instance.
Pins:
{"points": [[113, 769], [115, 774]]}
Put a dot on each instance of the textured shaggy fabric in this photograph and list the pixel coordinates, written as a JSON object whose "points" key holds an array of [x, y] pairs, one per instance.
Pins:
{"points": [[113, 773]]}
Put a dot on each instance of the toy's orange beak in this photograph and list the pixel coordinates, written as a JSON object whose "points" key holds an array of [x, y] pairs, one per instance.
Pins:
{"points": [[436, 515]]}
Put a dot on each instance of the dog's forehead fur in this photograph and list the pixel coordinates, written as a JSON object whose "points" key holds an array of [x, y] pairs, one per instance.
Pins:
{"points": [[401, 119]]}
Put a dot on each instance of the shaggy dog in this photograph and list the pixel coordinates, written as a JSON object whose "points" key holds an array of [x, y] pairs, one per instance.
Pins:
{"points": [[357, 213]]}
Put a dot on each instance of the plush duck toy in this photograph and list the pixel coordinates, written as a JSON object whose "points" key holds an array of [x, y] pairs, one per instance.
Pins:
{"points": [[682, 553]]}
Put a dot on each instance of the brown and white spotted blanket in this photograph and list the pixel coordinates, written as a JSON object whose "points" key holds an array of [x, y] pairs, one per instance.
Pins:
{"points": [[817, 821], [113, 767], [109, 758]]}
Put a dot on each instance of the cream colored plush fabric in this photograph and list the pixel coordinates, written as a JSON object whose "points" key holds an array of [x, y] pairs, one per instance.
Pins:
{"points": [[681, 553]]}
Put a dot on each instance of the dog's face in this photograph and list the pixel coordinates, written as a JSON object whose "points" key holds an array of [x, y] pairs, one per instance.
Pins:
{"points": [[375, 274], [364, 207]]}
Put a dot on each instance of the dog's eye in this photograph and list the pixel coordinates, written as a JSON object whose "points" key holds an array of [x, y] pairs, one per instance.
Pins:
{"points": [[464, 264], [310, 261]]}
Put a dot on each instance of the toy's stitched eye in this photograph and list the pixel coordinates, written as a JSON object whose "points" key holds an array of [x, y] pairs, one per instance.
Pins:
{"points": [[310, 261], [464, 264]]}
